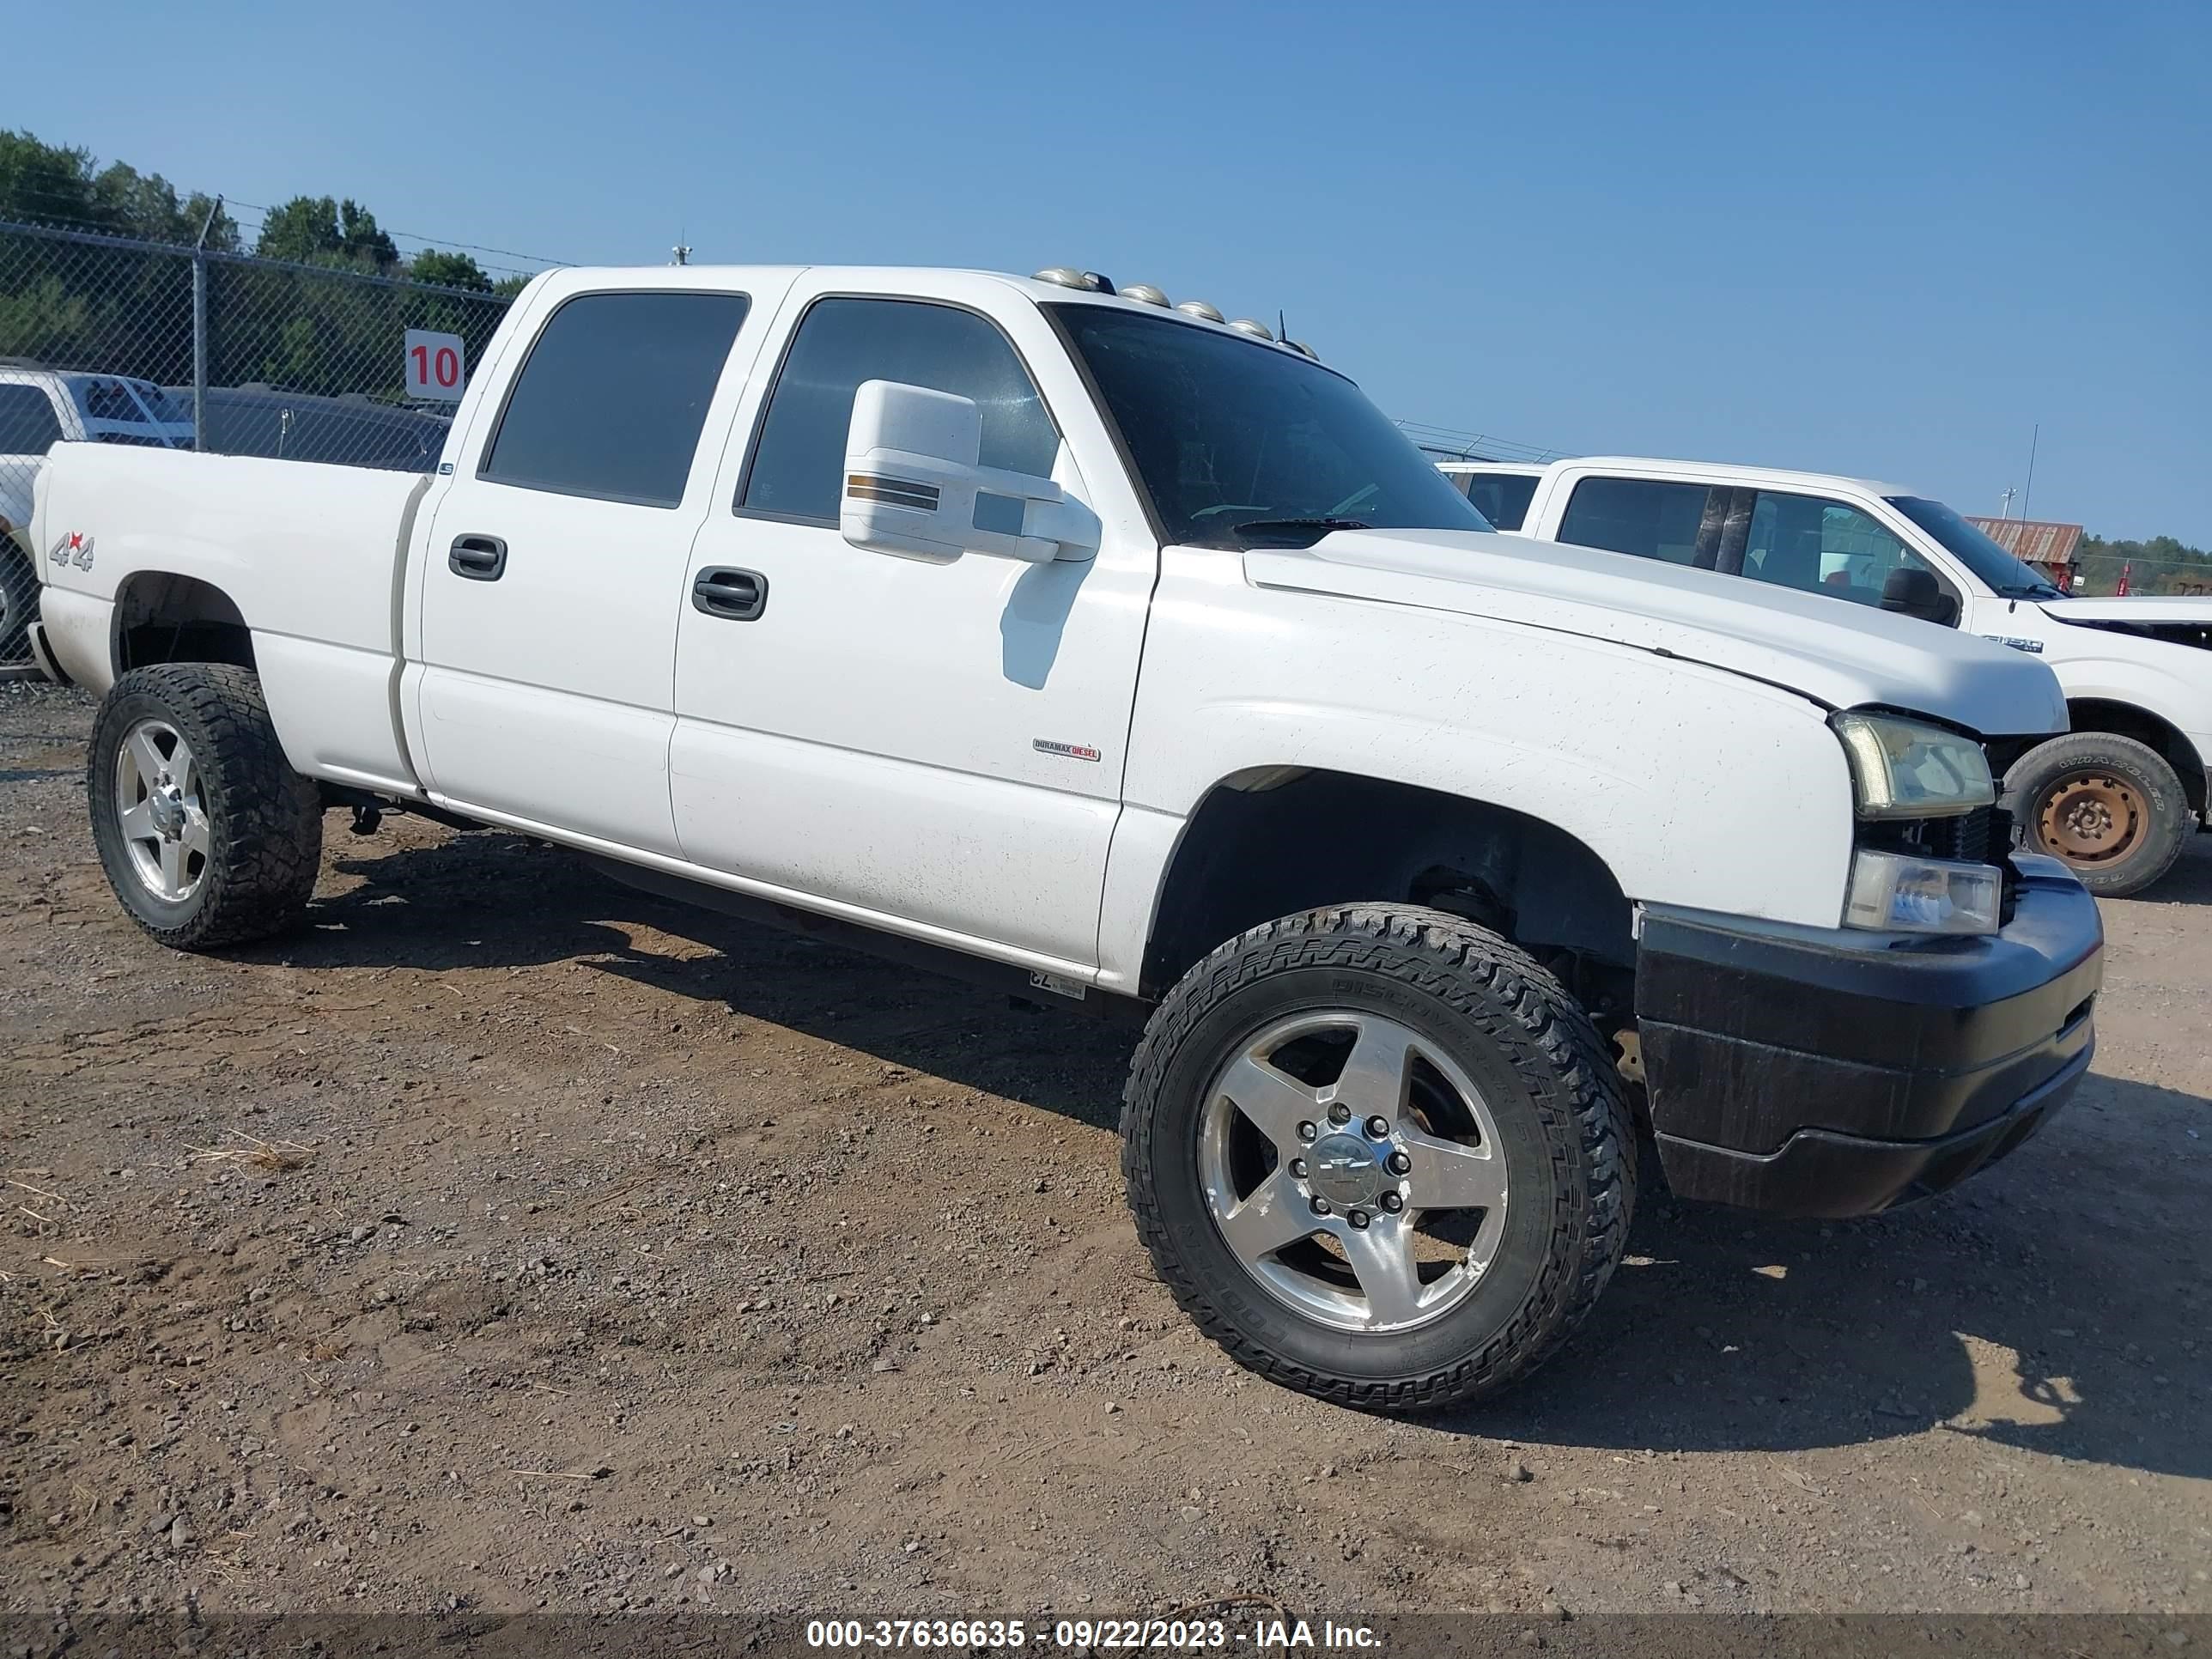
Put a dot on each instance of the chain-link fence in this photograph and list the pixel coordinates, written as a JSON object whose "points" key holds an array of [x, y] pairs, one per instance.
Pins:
{"points": [[115, 341]]}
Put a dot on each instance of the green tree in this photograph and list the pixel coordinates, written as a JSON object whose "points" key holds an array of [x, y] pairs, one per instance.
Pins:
{"points": [[2160, 565], [44, 184], [52, 184], [317, 230], [449, 270]]}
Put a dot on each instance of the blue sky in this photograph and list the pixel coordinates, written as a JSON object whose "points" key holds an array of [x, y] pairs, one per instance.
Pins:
{"points": [[1862, 238]]}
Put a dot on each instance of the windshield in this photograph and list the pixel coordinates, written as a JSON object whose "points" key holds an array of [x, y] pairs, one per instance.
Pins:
{"points": [[2007, 577], [1226, 432]]}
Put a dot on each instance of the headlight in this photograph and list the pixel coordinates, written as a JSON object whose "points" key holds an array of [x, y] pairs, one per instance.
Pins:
{"points": [[1905, 768], [1895, 893]]}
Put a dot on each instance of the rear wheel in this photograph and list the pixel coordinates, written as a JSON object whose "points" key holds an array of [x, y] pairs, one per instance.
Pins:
{"points": [[207, 836], [1379, 1156], [2111, 808]]}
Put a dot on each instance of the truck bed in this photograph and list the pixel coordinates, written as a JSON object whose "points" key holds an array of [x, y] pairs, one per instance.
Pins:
{"points": [[310, 556]]}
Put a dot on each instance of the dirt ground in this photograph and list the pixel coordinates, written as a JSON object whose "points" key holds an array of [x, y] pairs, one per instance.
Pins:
{"points": [[622, 1256]]}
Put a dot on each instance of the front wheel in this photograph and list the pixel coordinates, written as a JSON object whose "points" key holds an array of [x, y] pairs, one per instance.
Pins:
{"points": [[2109, 807], [207, 836], [1378, 1155]]}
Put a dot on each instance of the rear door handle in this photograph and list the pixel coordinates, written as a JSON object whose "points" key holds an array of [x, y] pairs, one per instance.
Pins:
{"points": [[732, 594], [480, 558]]}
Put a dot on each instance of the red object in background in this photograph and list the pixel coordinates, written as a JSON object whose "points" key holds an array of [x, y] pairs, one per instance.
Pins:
{"points": [[2125, 571]]}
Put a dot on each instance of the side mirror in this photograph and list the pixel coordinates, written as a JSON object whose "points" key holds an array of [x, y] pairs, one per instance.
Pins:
{"points": [[912, 486], [1913, 592]]}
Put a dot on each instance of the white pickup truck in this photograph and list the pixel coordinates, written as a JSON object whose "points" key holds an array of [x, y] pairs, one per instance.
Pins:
{"points": [[1138, 659], [2115, 799]]}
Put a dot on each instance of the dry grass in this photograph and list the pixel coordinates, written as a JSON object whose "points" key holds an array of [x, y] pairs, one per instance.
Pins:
{"points": [[278, 1157]]}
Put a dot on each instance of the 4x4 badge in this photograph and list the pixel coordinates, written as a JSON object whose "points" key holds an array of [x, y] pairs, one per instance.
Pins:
{"points": [[75, 548]]}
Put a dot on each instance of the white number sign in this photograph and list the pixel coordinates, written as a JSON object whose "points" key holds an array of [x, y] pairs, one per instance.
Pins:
{"points": [[437, 365]]}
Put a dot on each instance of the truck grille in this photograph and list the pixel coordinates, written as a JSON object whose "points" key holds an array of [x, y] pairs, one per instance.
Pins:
{"points": [[1981, 836]]}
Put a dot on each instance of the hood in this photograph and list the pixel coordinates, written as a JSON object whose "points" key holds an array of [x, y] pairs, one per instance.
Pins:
{"points": [[2151, 608], [1836, 652]]}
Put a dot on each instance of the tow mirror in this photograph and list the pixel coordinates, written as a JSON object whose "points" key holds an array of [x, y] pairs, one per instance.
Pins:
{"points": [[1915, 592], [914, 487]]}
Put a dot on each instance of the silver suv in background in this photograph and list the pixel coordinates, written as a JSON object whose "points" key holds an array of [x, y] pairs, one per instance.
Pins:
{"points": [[40, 408]]}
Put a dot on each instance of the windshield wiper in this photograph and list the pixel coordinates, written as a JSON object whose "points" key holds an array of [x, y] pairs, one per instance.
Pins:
{"points": [[1294, 532]]}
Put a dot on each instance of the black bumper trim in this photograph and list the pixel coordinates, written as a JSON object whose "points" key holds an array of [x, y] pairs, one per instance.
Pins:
{"points": [[1833, 1048], [1821, 1175]]}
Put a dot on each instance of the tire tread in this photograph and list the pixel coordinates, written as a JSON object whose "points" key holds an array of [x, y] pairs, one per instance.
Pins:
{"points": [[1518, 1003], [266, 827]]}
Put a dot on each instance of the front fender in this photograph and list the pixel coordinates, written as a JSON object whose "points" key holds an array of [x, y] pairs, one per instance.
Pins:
{"points": [[1694, 786]]}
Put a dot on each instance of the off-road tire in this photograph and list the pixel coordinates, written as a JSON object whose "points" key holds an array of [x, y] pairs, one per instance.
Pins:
{"points": [[2167, 819], [264, 820], [1544, 1072]]}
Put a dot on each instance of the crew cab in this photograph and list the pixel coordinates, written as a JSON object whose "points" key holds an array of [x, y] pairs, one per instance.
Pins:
{"points": [[1134, 659], [2116, 798]]}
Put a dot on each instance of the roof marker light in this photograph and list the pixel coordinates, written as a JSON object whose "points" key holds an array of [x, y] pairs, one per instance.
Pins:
{"points": [[1145, 294], [1257, 331], [1199, 309]]}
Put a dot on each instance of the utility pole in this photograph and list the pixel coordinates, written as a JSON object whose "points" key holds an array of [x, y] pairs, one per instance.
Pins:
{"points": [[2005, 512], [681, 251]]}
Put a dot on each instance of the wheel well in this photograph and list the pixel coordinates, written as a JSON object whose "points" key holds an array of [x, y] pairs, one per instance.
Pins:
{"points": [[161, 617], [2124, 720], [1269, 844]]}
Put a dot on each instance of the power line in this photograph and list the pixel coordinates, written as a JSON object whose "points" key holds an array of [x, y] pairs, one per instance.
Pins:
{"points": [[1463, 446]]}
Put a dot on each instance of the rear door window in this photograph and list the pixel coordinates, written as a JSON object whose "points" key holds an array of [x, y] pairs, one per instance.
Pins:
{"points": [[1648, 518], [614, 395], [29, 425]]}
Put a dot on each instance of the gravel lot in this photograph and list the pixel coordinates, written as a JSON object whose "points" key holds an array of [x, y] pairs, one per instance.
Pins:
{"points": [[619, 1256]]}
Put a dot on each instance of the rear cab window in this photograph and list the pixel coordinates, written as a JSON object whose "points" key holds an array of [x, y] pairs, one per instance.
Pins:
{"points": [[1501, 497], [1645, 518], [612, 400]]}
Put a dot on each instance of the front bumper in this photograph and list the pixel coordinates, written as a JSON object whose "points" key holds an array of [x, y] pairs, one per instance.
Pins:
{"points": [[1820, 1072]]}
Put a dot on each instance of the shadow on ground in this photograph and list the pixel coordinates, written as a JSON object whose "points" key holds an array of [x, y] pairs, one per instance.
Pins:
{"points": [[2190, 881], [2057, 1304]]}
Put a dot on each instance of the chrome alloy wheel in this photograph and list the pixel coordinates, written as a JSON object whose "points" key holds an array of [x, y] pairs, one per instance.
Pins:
{"points": [[162, 811], [1354, 1171]]}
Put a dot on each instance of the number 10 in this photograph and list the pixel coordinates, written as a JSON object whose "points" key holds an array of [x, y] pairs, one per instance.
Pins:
{"points": [[445, 368]]}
